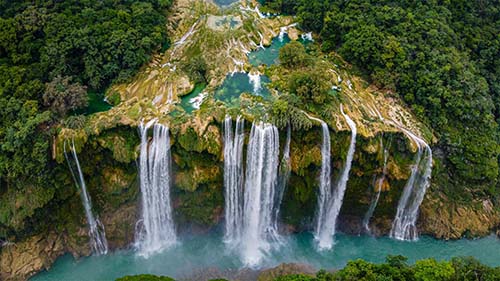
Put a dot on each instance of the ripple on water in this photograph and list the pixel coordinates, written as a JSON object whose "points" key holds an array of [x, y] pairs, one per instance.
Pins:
{"points": [[201, 252]]}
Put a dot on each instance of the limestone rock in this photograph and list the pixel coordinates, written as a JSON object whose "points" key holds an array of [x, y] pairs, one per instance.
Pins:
{"points": [[451, 220]]}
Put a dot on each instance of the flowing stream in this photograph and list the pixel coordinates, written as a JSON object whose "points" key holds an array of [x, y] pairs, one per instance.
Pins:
{"points": [[404, 225], [155, 231], [97, 234], [325, 229]]}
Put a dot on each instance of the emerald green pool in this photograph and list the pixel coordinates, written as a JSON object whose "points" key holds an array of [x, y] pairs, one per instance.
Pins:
{"points": [[269, 55], [192, 101], [96, 103], [196, 253], [238, 83]]}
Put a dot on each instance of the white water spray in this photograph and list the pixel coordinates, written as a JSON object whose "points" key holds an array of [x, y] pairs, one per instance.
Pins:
{"points": [[284, 30], [259, 195], [325, 230], [254, 79], [325, 189], [233, 178], [190, 32], [404, 224], [307, 36], [379, 183], [156, 229], [97, 234]]}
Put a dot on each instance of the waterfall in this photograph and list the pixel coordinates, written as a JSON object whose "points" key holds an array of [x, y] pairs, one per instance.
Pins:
{"points": [[97, 234], [260, 183], [261, 43], [156, 228], [284, 30], [404, 224], [325, 188], [170, 96], [254, 79], [233, 178], [325, 229], [379, 183], [307, 36], [187, 34]]}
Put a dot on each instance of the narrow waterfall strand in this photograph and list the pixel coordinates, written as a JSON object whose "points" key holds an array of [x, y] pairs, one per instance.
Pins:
{"points": [[325, 189], [379, 183], [326, 232], [404, 225], [233, 179], [97, 233], [156, 231]]}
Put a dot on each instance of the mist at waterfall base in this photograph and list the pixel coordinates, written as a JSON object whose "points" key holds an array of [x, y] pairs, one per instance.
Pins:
{"points": [[198, 253]]}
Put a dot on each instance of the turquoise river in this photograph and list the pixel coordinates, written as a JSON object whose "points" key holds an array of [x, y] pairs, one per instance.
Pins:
{"points": [[197, 253]]}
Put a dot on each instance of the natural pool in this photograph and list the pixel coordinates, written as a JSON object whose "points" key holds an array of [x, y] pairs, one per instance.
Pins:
{"points": [[193, 100], [269, 55], [237, 83], [195, 253]]}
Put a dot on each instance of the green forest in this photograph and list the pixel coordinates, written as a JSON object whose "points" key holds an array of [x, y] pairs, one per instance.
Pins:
{"points": [[395, 268], [52, 53], [441, 57]]}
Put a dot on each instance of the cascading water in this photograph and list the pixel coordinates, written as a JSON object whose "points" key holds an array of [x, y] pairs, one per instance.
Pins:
{"points": [[259, 195], [97, 234], [404, 224], [379, 183], [254, 79], [284, 30], [156, 228], [233, 178], [325, 189], [325, 228]]}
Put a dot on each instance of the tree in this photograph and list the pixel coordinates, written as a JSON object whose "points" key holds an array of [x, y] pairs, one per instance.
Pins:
{"points": [[196, 69], [309, 85], [293, 55], [432, 270], [61, 96]]}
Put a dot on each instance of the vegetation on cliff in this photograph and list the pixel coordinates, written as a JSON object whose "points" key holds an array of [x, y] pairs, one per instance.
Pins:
{"points": [[440, 57], [51, 53]]}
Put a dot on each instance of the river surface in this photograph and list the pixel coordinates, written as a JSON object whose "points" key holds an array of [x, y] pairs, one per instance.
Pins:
{"points": [[197, 253]]}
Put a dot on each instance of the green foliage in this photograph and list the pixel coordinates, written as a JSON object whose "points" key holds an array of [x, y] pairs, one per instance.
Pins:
{"points": [[396, 268], [293, 55], [432, 270], [145, 277], [442, 57], [75, 122], [42, 45], [285, 110], [196, 68], [309, 85], [61, 96]]}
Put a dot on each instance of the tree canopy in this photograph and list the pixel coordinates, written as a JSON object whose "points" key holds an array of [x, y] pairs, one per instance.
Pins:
{"points": [[441, 57]]}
